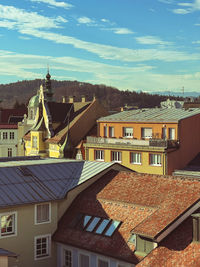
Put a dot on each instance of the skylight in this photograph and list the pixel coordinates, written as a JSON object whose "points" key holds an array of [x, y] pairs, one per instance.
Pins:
{"points": [[97, 225]]}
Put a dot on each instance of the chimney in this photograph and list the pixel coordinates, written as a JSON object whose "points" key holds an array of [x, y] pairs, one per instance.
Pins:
{"points": [[83, 99], [71, 99], [94, 97], [122, 109], [63, 99], [196, 227]]}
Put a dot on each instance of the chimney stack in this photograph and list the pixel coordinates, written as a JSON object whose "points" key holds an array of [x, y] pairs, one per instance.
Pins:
{"points": [[64, 99], [71, 99], [83, 99]]}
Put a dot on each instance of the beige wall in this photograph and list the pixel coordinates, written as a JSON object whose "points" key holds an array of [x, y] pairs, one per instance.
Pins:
{"points": [[23, 243], [3, 261]]}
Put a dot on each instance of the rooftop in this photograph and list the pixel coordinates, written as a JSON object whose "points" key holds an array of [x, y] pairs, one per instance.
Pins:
{"points": [[152, 115], [32, 181], [175, 250], [141, 202]]}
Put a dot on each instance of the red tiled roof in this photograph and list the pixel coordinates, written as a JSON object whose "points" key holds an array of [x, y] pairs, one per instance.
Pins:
{"points": [[175, 250], [8, 126], [5, 114], [146, 203]]}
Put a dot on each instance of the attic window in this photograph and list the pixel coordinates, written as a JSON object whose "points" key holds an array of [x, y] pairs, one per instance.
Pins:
{"points": [[96, 225], [25, 171]]}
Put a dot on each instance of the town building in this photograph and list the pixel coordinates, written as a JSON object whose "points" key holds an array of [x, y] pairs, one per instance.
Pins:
{"points": [[125, 219], [148, 140], [34, 195], [59, 127], [9, 119]]}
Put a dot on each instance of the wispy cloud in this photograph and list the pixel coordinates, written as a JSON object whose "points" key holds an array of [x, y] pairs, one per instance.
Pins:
{"points": [[121, 31], [188, 7], [54, 3], [12, 17], [85, 20], [166, 1], [151, 40]]}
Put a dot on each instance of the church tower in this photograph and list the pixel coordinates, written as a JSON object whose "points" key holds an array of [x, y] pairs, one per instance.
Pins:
{"points": [[48, 89]]}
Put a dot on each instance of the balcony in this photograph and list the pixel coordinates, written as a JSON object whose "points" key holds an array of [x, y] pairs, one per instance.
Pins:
{"points": [[152, 142]]}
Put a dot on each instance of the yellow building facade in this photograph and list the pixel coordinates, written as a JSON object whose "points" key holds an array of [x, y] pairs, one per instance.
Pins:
{"points": [[155, 141]]}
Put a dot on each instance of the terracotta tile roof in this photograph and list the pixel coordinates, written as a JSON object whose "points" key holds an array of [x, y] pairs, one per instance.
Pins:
{"points": [[175, 250], [140, 202], [8, 126], [5, 114]]}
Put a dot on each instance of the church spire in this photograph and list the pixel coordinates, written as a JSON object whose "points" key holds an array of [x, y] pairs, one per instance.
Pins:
{"points": [[48, 88]]}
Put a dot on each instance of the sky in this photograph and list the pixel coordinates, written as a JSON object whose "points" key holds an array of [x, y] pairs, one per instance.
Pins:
{"points": [[145, 45]]}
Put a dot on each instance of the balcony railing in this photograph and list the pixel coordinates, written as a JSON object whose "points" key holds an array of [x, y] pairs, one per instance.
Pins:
{"points": [[133, 142]]}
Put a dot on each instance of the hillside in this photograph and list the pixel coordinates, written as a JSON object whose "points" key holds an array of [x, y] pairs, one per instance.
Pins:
{"points": [[110, 97]]}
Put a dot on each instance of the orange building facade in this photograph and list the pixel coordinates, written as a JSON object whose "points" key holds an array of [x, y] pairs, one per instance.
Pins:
{"points": [[155, 141]]}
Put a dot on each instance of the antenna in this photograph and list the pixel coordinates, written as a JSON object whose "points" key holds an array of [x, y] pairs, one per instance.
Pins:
{"points": [[182, 90]]}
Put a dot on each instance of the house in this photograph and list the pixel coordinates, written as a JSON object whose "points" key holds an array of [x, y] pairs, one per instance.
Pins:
{"points": [[9, 119], [148, 140], [59, 127], [34, 194], [123, 218]]}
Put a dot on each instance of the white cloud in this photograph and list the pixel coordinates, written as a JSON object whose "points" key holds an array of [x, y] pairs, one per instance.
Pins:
{"points": [[181, 11], [121, 31], [190, 7], [166, 1], [11, 17], [54, 3], [151, 40], [85, 20]]}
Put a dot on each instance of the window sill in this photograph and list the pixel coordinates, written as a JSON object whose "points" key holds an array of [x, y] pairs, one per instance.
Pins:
{"points": [[135, 163], [155, 165]]}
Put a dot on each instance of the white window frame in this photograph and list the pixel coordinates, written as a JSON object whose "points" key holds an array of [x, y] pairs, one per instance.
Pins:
{"points": [[105, 131], [100, 154], [14, 233], [111, 130], [9, 152], [118, 158], [128, 132], [40, 204], [63, 256], [155, 161], [85, 254], [148, 136], [5, 135], [12, 135], [48, 255], [172, 133], [103, 259], [138, 158]]}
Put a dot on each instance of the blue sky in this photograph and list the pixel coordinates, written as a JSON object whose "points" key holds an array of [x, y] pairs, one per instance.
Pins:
{"points": [[146, 45]]}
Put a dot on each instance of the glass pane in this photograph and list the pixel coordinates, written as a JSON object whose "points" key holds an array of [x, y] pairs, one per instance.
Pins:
{"points": [[102, 263], [86, 220], [92, 225], [84, 260], [102, 226], [112, 228]]}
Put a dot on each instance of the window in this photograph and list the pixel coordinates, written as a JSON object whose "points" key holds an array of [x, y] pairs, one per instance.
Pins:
{"points": [[164, 133], [42, 213], [9, 152], [128, 132], [172, 133], [84, 260], [111, 132], [155, 159], [146, 133], [102, 263], [8, 224], [105, 131], [12, 135], [116, 156], [5, 135], [67, 258], [99, 155], [34, 141], [135, 158], [94, 224], [42, 246]]}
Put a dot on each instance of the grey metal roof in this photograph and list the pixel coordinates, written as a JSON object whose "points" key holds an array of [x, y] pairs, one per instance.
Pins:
{"points": [[4, 252], [152, 115], [32, 181]]}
